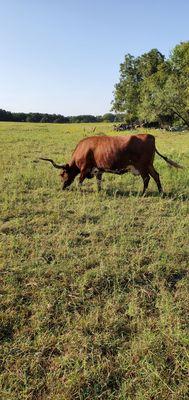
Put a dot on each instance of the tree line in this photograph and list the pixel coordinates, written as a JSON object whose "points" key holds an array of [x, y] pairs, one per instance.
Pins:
{"points": [[57, 118], [153, 89]]}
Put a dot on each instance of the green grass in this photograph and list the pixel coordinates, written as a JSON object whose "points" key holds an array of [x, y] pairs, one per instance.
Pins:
{"points": [[93, 286]]}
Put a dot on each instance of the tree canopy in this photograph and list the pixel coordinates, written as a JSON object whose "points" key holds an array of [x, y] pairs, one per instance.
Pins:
{"points": [[154, 89]]}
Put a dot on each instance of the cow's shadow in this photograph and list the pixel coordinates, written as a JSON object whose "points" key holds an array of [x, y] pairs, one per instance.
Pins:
{"points": [[126, 193]]}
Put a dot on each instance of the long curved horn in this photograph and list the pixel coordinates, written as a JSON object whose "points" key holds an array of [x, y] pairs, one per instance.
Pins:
{"points": [[59, 166]]}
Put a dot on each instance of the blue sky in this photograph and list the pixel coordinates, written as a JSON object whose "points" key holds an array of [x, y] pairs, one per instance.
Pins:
{"points": [[63, 56]]}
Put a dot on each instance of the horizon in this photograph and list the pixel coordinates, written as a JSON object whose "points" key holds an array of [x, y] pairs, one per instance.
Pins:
{"points": [[64, 58]]}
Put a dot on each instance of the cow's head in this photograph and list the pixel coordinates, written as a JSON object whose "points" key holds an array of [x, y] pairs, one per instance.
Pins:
{"points": [[68, 173], [67, 176]]}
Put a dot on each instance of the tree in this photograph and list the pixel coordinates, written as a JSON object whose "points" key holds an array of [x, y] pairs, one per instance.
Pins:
{"points": [[126, 94], [34, 117], [120, 117], [153, 89], [165, 95], [152, 106], [19, 117], [177, 86], [133, 72], [5, 115], [149, 63], [60, 119], [108, 117]]}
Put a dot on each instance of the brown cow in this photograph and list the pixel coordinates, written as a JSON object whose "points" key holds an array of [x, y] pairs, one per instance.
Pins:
{"points": [[115, 154]]}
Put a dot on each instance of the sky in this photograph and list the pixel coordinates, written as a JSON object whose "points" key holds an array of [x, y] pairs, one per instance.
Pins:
{"points": [[63, 56]]}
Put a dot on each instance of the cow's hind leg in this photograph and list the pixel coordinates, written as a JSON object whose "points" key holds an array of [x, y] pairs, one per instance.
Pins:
{"points": [[95, 172], [145, 178], [154, 174]]}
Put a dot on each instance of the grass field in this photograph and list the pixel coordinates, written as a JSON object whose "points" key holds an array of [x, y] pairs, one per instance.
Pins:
{"points": [[93, 285]]}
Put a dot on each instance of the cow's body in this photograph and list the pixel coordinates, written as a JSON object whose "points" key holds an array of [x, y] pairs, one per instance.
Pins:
{"points": [[115, 154]]}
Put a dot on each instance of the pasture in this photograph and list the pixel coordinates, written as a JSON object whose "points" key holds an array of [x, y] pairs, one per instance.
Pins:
{"points": [[93, 291]]}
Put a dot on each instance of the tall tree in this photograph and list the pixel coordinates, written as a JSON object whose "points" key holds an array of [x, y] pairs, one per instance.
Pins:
{"points": [[154, 89], [126, 95], [133, 72], [177, 85]]}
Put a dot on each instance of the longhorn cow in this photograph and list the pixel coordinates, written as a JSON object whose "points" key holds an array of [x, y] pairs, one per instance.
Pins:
{"points": [[96, 155]]}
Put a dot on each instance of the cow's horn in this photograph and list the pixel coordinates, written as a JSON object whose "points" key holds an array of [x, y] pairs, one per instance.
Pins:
{"points": [[59, 166]]}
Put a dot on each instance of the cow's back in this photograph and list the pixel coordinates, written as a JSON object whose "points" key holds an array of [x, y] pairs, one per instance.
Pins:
{"points": [[113, 151]]}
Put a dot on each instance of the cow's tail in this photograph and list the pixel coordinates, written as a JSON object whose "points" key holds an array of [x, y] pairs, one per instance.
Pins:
{"points": [[169, 161]]}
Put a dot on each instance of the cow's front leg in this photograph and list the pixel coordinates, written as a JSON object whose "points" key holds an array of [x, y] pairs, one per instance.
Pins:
{"points": [[99, 181], [84, 173], [82, 177]]}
